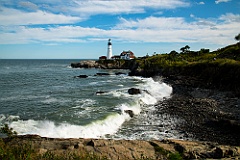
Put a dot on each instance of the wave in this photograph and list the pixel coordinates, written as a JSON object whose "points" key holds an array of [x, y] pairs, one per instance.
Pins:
{"points": [[151, 91], [154, 91], [84, 103], [96, 129]]}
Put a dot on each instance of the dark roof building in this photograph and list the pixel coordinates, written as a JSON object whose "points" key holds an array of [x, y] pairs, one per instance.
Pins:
{"points": [[127, 55]]}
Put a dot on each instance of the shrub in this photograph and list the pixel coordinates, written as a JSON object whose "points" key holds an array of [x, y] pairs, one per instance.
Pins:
{"points": [[8, 131]]}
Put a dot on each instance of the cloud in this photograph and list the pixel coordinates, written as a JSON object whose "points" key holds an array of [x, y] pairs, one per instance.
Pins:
{"points": [[63, 34], [124, 6], [150, 29], [93, 7], [230, 17], [192, 15], [201, 3], [18, 12], [17, 17], [221, 1], [28, 5], [152, 23]]}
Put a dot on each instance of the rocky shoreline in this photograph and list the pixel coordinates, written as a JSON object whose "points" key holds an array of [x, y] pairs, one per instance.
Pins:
{"points": [[122, 149], [208, 114]]}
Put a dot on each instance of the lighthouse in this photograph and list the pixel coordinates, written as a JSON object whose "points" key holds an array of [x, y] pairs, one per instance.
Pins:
{"points": [[109, 51]]}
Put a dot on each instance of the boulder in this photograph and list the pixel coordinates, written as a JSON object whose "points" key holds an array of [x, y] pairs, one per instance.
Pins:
{"points": [[134, 91], [99, 92], [130, 112], [81, 76]]}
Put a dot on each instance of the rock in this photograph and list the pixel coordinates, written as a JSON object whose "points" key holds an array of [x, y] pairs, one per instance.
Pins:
{"points": [[103, 74], [218, 153], [91, 143], [81, 76], [130, 112], [99, 92], [124, 149], [85, 64], [133, 91], [119, 73]]}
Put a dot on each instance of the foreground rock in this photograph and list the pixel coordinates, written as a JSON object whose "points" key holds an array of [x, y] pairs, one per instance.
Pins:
{"points": [[125, 149]]}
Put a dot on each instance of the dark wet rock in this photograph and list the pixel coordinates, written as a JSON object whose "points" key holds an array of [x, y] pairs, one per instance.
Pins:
{"points": [[119, 73], [218, 153], [102, 74], [81, 76], [134, 91], [130, 112], [100, 92]]}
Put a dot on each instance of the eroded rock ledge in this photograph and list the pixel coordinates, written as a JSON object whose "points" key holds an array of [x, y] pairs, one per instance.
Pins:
{"points": [[126, 149], [106, 64]]}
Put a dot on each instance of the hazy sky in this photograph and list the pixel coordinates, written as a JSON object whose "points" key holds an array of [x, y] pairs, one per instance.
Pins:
{"points": [[81, 28]]}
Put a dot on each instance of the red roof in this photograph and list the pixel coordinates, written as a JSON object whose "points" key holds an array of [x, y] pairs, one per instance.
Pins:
{"points": [[131, 54]]}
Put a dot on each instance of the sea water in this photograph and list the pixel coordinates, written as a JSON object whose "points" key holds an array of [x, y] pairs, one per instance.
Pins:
{"points": [[44, 97]]}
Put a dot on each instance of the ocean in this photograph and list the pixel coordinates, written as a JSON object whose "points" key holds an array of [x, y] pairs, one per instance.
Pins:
{"points": [[44, 97]]}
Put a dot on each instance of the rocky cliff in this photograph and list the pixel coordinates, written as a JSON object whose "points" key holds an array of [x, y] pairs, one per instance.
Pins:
{"points": [[49, 148]]}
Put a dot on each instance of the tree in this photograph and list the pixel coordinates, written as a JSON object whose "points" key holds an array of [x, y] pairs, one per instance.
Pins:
{"points": [[185, 49], [173, 53], [182, 49], [237, 37]]}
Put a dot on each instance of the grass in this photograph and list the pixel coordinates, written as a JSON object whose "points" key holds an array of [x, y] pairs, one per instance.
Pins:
{"points": [[169, 155], [26, 152]]}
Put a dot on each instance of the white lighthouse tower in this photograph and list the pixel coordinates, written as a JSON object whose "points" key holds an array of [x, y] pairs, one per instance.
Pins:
{"points": [[109, 52]]}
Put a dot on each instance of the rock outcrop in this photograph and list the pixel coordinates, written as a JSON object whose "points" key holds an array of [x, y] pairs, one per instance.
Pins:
{"points": [[125, 149], [85, 64], [106, 64]]}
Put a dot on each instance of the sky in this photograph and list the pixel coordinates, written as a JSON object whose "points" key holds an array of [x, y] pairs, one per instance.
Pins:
{"points": [[80, 29]]}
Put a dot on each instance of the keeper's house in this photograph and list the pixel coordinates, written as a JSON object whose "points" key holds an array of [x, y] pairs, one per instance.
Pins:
{"points": [[127, 55]]}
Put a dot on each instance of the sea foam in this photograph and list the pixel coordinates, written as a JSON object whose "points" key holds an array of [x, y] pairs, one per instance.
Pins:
{"points": [[96, 129]]}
